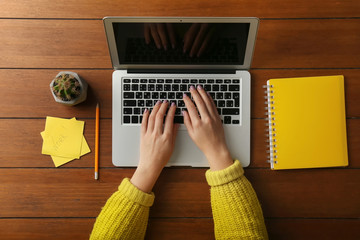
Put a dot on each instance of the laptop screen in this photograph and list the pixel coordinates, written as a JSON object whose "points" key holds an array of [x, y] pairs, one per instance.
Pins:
{"points": [[181, 43]]}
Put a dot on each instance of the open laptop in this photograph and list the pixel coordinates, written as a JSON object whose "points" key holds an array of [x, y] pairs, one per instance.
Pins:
{"points": [[151, 64]]}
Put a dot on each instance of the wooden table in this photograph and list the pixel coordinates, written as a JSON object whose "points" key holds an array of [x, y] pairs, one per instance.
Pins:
{"points": [[39, 38]]}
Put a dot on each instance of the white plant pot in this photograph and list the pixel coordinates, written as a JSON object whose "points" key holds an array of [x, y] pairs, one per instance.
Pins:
{"points": [[80, 98]]}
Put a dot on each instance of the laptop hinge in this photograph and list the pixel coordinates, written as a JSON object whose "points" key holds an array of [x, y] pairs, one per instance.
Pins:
{"points": [[187, 71]]}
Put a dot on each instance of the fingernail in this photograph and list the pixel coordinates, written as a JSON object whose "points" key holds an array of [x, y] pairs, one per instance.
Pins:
{"points": [[199, 87], [192, 88], [146, 110], [173, 104], [184, 95], [182, 113], [158, 102], [165, 101]]}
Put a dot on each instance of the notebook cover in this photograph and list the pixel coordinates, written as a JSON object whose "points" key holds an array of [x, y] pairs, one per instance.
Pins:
{"points": [[307, 122]]}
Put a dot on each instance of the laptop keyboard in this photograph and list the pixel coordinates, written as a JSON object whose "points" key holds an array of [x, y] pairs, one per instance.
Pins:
{"points": [[139, 94]]}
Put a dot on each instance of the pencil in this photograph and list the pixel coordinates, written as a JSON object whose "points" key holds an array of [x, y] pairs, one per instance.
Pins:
{"points": [[97, 142]]}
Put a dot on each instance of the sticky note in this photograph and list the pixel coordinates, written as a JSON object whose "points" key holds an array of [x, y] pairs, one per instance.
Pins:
{"points": [[63, 137]]}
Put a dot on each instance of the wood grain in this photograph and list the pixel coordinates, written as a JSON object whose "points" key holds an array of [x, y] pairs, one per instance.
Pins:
{"points": [[179, 192], [178, 228], [231, 8], [25, 148], [319, 43], [26, 92]]}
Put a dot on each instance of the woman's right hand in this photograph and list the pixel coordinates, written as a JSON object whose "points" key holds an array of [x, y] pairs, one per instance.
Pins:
{"points": [[206, 130]]}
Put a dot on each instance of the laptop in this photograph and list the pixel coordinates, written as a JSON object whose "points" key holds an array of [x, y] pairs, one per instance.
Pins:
{"points": [[160, 58]]}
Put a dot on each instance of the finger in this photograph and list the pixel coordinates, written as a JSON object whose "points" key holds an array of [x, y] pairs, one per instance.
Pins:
{"points": [[193, 113], [199, 39], [162, 34], [187, 121], [190, 36], [200, 104], [155, 35], [159, 119], [169, 121], [208, 102], [152, 116], [144, 122], [205, 44], [171, 33], [147, 33]]}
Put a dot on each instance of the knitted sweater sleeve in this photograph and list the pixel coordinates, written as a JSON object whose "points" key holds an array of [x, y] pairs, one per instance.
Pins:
{"points": [[125, 214], [236, 210]]}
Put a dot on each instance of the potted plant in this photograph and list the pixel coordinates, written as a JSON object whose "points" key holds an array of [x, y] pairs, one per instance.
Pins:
{"points": [[68, 88]]}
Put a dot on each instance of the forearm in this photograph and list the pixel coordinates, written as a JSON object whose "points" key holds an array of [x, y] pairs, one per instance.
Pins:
{"points": [[125, 214], [236, 210]]}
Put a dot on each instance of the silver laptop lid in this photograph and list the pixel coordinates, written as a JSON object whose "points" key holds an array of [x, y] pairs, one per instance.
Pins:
{"points": [[181, 43]]}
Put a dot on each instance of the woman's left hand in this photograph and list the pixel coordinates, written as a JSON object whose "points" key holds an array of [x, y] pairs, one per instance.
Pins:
{"points": [[156, 145]]}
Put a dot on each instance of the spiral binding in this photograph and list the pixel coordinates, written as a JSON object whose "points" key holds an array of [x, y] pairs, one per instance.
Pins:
{"points": [[270, 123]]}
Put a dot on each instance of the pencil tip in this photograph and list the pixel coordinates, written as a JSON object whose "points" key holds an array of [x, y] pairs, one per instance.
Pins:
{"points": [[97, 105]]}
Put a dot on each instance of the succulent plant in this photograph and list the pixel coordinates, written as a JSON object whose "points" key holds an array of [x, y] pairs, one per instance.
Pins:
{"points": [[66, 87]]}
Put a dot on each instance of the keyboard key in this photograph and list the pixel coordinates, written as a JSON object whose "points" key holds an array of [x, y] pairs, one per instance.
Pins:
{"points": [[185, 81], [141, 103], [163, 95], [128, 95], [181, 103], [215, 87], [143, 80], [151, 87], [149, 103], [229, 103], [227, 119], [126, 119], [183, 87], [126, 87], [160, 81], [227, 95], [127, 80], [235, 121], [168, 81], [135, 87], [136, 110], [159, 87], [135, 80], [127, 111], [219, 81], [155, 95], [147, 95], [171, 95], [223, 88], [179, 95], [178, 119], [236, 81], [227, 81], [142, 87], [221, 103], [230, 111], [134, 119], [139, 95], [193, 81], [207, 87], [167, 87], [130, 103], [152, 81], [210, 81], [202, 81], [219, 95], [175, 87], [177, 81], [234, 87]]}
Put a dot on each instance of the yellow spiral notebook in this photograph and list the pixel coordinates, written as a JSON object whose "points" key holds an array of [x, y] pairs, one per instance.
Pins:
{"points": [[307, 122]]}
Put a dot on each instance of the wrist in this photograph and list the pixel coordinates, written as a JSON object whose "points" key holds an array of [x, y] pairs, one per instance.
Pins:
{"points": [[220, 159], [144, 178]]}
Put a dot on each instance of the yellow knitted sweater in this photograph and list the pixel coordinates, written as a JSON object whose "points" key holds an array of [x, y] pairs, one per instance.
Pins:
{"points": [[236, 210]]}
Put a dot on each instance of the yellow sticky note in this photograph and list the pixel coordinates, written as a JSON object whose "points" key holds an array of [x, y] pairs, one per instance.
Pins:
{"points": [[63, 137], [58, 161]]}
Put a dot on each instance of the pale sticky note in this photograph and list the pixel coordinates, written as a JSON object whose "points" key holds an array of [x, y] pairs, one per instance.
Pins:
{"points": [[58, 161], [63, 137]]}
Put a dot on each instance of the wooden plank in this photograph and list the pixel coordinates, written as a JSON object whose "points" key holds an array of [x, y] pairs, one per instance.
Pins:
{"points": [[178, 228], [21, 100], [319, 43], [314, 193], [24, 149], [232, 8]]}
